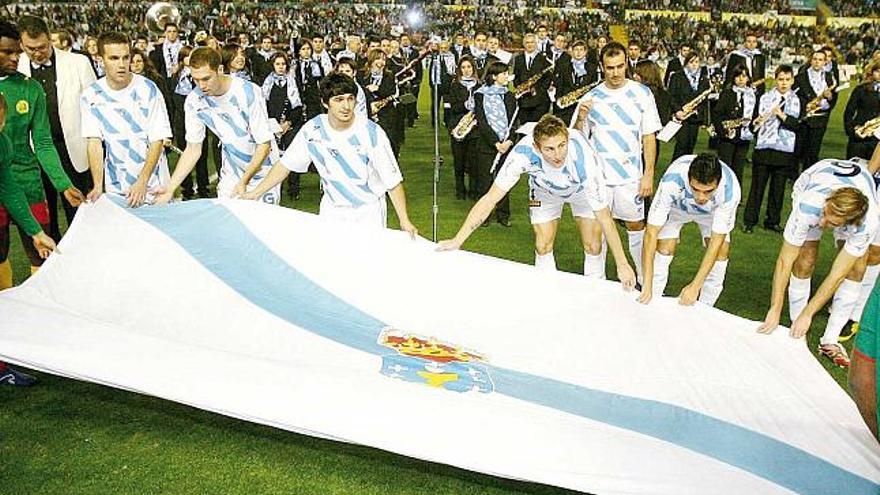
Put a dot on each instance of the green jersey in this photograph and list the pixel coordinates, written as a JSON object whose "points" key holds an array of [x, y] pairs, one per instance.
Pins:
{"points": [[11, 196], [27, 121]]}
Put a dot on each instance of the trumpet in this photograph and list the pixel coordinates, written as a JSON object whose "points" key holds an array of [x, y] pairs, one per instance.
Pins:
{"points": [[764, 117], [868, 128], [380, 104], [572, 97], [814, 106], [521, 89], [464, 126]]}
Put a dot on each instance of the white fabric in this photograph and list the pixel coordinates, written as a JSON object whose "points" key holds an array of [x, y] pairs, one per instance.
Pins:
{"points": [[594, 266], [593, 392], [374, 214], [128, 121], [73, 74]]}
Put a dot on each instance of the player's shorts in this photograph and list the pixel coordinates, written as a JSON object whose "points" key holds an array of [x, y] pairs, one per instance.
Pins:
{"points": [[272, 196], [678, 219], [372, 214], [840, 237], [866, 339], [625, 203], [545, 207], [40, 211]]}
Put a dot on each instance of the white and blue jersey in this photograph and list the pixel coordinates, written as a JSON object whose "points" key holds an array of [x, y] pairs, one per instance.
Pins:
{"points": [[674, 194], [809, 194], [580, 176], [127, 121], [356, 166], [240, 121], [615, 125]]}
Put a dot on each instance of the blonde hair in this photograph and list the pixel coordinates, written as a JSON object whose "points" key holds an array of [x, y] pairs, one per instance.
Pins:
{"points": [[549, 126], [848, 203]]}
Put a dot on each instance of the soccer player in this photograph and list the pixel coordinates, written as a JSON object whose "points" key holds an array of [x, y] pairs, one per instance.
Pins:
{"points": [[126, 123], [562, 168], [619, 118], [353, 157], [27, 127], [235, 110], [836, 195], [699, 189]]}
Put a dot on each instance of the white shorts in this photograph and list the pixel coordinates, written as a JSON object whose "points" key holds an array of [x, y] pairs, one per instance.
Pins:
{"points": [[545, 207], [372, 214], [625, 203], [272, 196], [678, 219], [840, 236]]}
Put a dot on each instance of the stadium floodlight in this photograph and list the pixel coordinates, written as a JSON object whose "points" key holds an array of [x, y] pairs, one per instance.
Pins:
{"points": [[414, 18]]}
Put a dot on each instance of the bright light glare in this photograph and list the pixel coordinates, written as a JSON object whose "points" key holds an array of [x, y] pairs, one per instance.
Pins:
{"points": [[414, 18]]}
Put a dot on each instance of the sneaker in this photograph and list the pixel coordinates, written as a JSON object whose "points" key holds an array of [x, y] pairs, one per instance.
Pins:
{"points": [[849, 331], [11, 376], [836, 353]]}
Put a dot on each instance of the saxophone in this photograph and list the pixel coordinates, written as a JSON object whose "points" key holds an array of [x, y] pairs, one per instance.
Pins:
{"points": [[814, 106], [868, 128], [380, 104], [464, 126], [572, 97], [730, 126], [521, 89], [691, 107]]}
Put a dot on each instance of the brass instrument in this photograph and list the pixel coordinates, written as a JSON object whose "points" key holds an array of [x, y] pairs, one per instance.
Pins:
{"points": [[813, 107], [572, 97], [380, 104], [730, 126], [409, 68], [161, 14], [757, 83], [764, 117], [521, 89], [464, 126], [868, 128], [691, 107]]}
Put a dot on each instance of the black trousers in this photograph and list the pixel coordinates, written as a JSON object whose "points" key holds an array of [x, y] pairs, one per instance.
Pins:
{"points": [[532, 114], [733, 153], [483, 178], [811, 144], [685, 140], [439, 106], [565, 114], [462, 158], [178, 129], [80, 180], [861, 149], [761, 173]]}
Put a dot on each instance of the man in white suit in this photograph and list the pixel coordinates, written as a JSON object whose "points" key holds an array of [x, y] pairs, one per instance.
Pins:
{"points": [[64, 76]]}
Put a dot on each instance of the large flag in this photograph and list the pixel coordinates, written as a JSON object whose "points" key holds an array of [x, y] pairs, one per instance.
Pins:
{"points": [[282, 318]]}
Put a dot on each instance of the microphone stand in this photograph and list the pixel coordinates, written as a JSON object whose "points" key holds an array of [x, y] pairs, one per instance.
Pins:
{"points": [[435, 208]]}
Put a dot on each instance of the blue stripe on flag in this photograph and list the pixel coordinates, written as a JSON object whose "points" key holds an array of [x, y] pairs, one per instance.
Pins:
{"points": [[259, 275]]}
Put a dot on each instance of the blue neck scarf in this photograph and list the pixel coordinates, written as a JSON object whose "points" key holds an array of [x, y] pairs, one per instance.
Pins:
{"points": [[496, 111], [580, 67], [271, 80]]}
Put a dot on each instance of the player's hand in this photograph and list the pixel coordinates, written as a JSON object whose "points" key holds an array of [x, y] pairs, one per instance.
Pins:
{"points": [[94, 195], [584, 108], [800, 326], [43, 244], [771, 321], [408, 227], [646, 186], [136, 194], [646, 295], [779, 113], [74, 196], [689, 295], [251, 195], [239, 190], [448, 245], [163, 196], [627, 276]]}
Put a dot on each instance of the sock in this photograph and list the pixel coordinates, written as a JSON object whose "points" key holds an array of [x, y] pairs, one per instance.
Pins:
{"points": [[868, 280], [661, 273], [5, 275], [594, 266], [844, 299], [34, 269], [545, 261], [603, 255], [635, 249], [714, 283], [798, 296]]}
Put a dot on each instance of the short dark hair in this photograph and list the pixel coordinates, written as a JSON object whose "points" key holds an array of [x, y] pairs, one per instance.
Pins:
{"points": [[705, 169], [579, 43], [336, 84], [112, 38], [204, 55], [33, 26], [613, 48], [170, 24], [783, 69], [9, 30], [345, 61], [738, 70], [690, 56], [493, 70]]}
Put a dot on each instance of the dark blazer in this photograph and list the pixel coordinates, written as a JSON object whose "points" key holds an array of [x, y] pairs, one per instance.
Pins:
{"points": [[457, 97], [672, 67], [759, 70], [483, 62], [665, 106], [681, 92], [539, 95], [863, 105], [561, 59], [567, 81], [806, 94], [486, 137], [309, 93], [387, 88], [728, 107], [465, 51], [418, 68]]}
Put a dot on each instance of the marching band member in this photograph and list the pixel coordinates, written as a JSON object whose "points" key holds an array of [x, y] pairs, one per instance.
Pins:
{"points": [[532, 62], [735, 109], [814, 83], [684, 86], [863, 105], [494, 109], [381, 89], [461, 103]]}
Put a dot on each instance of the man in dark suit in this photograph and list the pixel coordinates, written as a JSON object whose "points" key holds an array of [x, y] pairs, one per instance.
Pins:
{"points": [[441, 70], [262, 65], [676, 64], [633, 55], [814, 84], [535, 102], [557, 52], [460, 48], [572, 73], [410, 54], [863, 105], [543, 38], [480, 52], [752, 58], [164, 56]]}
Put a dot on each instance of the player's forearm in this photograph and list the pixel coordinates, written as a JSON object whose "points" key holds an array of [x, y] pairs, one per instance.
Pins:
{"points": [[649, 251], [95, 153], [709, 259], [185, 164], [612, 236], [475, 218], [259, 157], [398, 200], [276, 174], [839, 270], [153, 154], [649, 145], [781, 274]]}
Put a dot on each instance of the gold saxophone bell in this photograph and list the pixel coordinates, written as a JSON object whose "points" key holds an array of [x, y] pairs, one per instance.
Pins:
{"points": [[464, 126], [868, 128], [161, 14]]}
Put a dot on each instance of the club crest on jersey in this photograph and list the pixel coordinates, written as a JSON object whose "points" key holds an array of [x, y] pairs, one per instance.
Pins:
{"points": [[22, 107], [431, 362]]}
